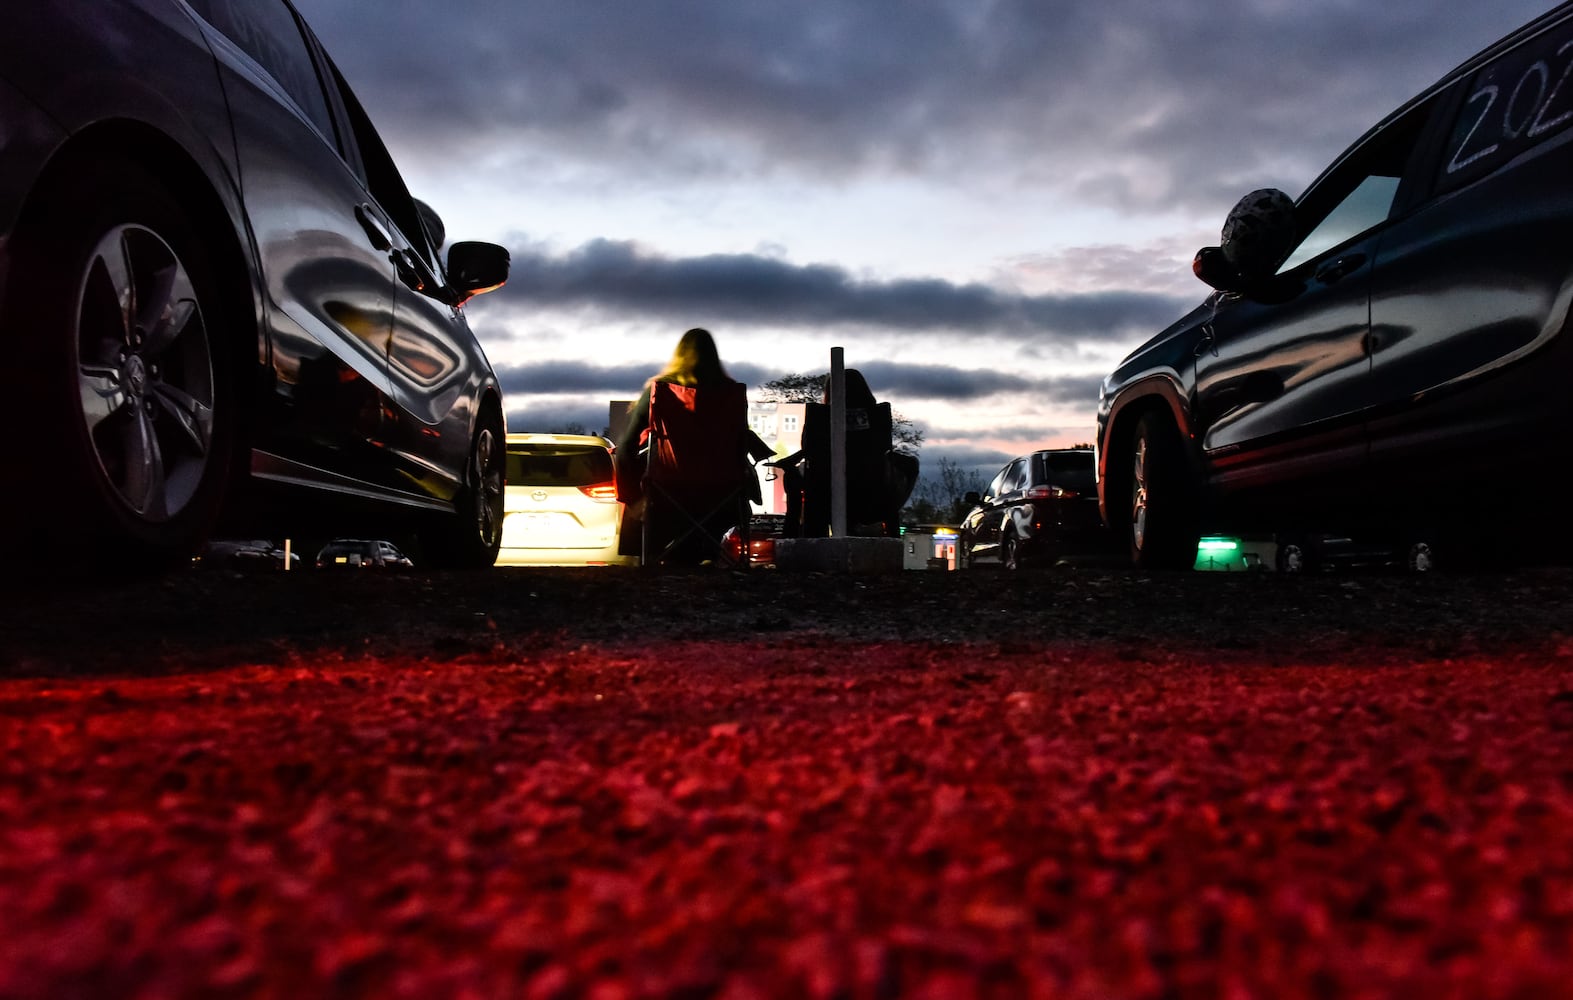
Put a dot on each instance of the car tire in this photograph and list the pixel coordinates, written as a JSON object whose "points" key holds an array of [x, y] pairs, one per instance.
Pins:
{"points": [[1292, 557], [1010, 551], [128, 392], [1163, 530], [1420, 558], [469, 538]]}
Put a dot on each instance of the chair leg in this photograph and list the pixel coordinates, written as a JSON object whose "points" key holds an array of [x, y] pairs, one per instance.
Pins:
{"points": [[690, 527]]}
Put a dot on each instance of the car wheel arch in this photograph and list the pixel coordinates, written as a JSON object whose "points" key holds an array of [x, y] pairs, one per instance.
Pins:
{"points": [[122, 487], [1154, 394], [231, 264]]}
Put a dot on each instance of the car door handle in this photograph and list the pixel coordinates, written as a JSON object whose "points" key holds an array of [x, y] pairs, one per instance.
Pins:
{"points": [[1335, 271], [409, 272], [381, 239]]}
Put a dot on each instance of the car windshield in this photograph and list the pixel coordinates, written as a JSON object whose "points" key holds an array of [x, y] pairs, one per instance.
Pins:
{"points": [[346, 549], [1073, 470], [558, 466]]}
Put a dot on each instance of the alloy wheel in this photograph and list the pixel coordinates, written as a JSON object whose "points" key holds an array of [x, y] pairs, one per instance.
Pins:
{"points": [[488, 473], [1139, 494], [144, 372]]}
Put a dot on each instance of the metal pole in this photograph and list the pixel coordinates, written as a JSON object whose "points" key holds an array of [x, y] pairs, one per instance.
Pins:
{"points": [[838, 443]]}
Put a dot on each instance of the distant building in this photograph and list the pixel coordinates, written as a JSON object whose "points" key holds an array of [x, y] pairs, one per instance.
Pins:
{"points": [[617, 418], [780, 425]]}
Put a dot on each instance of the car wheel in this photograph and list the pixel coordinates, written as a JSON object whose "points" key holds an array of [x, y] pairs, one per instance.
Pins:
{"points": [[1420, 558], [126, 391], [1292, 558], [471, 536], [1163, 531], [1010, 551]]}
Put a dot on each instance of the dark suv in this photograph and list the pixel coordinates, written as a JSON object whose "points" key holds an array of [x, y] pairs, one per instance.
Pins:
{"points": [[1399, 367], [220, 307], [362, 553], [1038, 508]]}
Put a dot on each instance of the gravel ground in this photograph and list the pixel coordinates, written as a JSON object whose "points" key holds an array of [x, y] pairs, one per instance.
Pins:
{"points": [[603, 783]]}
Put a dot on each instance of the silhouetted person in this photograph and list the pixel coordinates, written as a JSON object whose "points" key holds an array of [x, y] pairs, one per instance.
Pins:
{"points": [[879, 478], [696, 368]]}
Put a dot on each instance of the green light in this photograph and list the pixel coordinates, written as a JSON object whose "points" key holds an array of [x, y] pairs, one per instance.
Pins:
{"points": [[1219, 553]]}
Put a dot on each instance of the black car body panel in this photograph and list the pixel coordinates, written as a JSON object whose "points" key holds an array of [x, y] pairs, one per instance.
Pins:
{"points": [[1406, 361], [362, 388]]}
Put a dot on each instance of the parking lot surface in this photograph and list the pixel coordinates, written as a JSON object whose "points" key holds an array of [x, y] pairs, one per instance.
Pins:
{"points": [[610, 783]]}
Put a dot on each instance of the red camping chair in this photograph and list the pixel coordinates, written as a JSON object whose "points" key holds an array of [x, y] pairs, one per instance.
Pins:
{"points": [[697, 479]]}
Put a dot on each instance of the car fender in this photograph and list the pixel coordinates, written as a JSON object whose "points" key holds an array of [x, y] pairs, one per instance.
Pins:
{"points": [[1119, 411]]}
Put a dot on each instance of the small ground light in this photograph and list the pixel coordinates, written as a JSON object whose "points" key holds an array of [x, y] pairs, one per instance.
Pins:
{"points": [[1219, 553]]}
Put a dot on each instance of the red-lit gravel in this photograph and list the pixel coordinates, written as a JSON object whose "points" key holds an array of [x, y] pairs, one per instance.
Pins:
{"points": [[791, 810]]}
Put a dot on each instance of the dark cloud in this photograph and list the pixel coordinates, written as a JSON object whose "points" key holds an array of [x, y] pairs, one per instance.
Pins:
{"points": [[570, 377], [533, 416], [617, 278], [1127, 102], [893, 381]]}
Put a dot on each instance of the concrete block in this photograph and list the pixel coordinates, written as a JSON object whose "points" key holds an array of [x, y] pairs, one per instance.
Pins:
{"points": [[851, 554]]}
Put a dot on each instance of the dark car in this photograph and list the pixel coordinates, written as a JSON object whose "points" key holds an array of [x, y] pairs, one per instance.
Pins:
{"points": [[362, 553], [1398, 368], [246, 555], [1038, 509], [220, 307], [1314, 552]]}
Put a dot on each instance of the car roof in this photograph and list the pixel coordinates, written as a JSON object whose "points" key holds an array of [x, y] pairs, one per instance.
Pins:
{"points": [[585, 440]]}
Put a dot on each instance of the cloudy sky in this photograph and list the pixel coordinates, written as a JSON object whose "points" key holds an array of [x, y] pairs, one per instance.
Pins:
{"points": [[986, 203]]}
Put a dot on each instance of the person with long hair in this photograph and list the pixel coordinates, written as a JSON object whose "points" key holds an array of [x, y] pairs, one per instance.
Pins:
{"points": [[695, 364]]}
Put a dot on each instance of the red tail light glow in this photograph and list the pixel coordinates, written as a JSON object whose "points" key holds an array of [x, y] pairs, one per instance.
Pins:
{"points": [[1049, 493], [602, 492]]}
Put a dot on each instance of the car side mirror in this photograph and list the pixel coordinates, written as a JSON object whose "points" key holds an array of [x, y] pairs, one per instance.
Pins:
{"points": [[1214, 269], [972, 499], [475, 268]]}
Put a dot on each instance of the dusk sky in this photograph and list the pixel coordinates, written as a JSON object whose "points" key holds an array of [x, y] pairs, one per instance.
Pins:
{"points": [[987, 203]]}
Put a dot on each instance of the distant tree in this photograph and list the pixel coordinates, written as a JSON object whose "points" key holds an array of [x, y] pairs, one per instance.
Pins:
{"points": [[941, 494], [571, 427], [921, 511], [799, 388], [795, 388]]}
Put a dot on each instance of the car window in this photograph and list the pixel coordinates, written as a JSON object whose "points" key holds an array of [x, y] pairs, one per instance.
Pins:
{"points": [[997, 484], [1359, 194], [558, 467], [383, 179], [1366, 206], [1015, 476], [1512, 103], [267, 31], [1071, 471]]}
